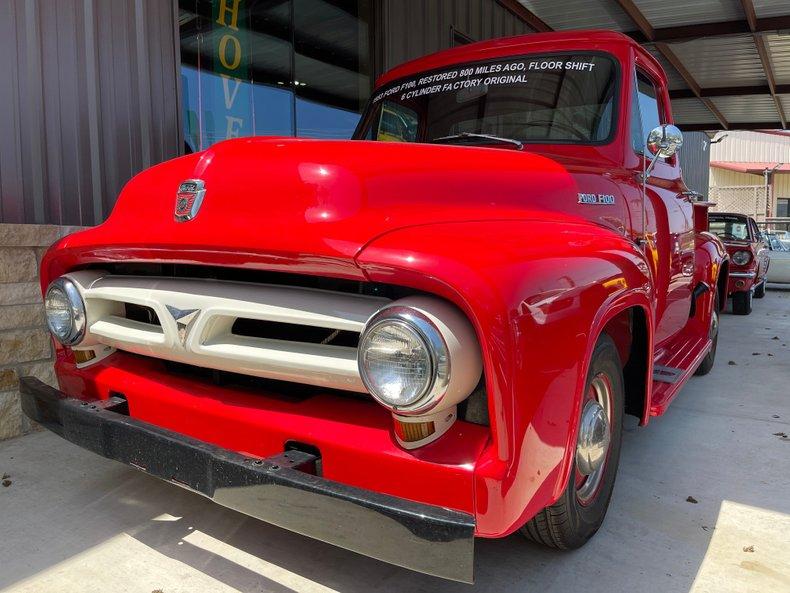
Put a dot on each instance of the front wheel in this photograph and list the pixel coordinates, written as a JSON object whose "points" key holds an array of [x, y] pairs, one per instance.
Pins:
{"points": [[580, 511], [742, 302]]}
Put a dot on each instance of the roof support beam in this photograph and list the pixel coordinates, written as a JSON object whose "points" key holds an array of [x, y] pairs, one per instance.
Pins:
{"points": [[639, 19], [731, 91], [670, 56], [768, 126], [526, 15], [762, 50], [687, 32], [649, 33]]}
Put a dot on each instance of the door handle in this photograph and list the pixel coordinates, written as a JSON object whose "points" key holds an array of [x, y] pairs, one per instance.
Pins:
{"points": [[691, 196]]}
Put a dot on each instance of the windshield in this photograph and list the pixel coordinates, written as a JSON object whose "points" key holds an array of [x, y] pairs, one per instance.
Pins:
{"points": [[732, 228], [549, 99]]}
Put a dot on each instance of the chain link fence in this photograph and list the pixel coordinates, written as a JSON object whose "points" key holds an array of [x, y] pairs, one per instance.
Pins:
{"points": [[752, 200]]}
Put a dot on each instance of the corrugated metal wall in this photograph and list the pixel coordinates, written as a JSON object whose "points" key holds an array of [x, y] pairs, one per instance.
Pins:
{"points": [[752, 147], [414, 28], [88, 99], [695, 161]]}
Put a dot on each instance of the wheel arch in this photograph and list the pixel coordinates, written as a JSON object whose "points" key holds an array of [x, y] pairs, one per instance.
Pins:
{"points": [[636, 308]]}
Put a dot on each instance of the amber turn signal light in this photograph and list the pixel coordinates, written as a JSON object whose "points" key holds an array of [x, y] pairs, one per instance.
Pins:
{"points": [[82, 356], [411, 432]]}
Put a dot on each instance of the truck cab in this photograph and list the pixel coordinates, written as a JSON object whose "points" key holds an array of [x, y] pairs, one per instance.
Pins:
{"points": [[401, 342]]}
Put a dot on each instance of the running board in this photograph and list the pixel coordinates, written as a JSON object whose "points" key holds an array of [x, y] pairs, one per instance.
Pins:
{"points": [[666, 374], [681, 358]]}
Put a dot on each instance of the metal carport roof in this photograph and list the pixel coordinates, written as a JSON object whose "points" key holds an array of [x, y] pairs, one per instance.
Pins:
{"points": [[728, 61]]}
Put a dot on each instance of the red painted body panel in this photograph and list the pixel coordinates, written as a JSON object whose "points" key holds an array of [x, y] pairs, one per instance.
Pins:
{"points": [[353, 436], [498, 232]]}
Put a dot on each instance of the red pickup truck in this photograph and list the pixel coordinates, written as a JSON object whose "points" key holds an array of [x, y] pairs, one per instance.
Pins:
{"points": [[426, 334]]}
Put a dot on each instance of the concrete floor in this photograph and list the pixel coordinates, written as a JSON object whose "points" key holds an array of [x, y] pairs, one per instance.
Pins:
{"points": [[73, 522]]}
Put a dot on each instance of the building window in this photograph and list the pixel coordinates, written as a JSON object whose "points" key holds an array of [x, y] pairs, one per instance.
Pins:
{"points": [[783, 207], [272, 67]]}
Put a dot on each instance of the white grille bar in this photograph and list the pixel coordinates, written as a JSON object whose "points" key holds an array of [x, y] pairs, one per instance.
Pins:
{"points": [[197, 315]]}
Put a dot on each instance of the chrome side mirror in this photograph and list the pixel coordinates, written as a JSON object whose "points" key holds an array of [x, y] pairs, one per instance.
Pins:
{"points": [[664, 141]]}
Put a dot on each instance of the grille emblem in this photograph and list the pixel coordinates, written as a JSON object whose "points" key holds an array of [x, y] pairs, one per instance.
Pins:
{"points": [[184, 319], [188, 199]]}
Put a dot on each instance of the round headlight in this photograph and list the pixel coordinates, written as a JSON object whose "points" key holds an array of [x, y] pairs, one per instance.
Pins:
{"points": [[741, 257], [403, 359], [65, 312]]}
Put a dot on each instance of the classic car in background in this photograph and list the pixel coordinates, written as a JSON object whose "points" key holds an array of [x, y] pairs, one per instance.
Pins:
{"points": [[779, 272], [748, 257], [783, 236]]}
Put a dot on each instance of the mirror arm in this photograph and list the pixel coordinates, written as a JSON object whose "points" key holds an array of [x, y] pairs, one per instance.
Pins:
{"points": [[650, 167], [645, 174]]}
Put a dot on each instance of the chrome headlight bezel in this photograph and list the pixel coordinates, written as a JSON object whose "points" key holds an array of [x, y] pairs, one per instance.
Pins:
{"points": [[77, 312], [423, 328], [745, 254]]}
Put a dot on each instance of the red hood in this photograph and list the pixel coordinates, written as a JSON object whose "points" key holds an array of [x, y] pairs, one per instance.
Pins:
{"points": [[322, 200]]}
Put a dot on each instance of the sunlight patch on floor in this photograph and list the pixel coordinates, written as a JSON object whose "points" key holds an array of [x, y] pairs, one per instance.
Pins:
{"points": [[257, 565], [738, 559]]}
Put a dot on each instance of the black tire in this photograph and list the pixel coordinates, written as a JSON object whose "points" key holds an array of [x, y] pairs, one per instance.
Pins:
{"points": [[742, 302], [759, 291], [568, 524], [707, 363]]}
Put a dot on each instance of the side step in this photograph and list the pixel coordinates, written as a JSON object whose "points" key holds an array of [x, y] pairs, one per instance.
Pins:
{"points": [[666, 374], [680, 359]]}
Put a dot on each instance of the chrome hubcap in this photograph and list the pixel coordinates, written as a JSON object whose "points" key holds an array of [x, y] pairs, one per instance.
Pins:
{"points": [[592, 445]]}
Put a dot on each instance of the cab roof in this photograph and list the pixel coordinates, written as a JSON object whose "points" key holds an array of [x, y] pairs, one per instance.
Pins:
{"points": [[584, 40]]}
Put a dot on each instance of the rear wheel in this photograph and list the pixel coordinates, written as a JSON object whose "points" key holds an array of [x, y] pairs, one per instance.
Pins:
{"points": [[759, 292], [742, 302], [707, 363], [579, 512]]}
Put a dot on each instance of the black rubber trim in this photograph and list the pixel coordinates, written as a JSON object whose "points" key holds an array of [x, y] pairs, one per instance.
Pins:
{"points": [[424, 538]]}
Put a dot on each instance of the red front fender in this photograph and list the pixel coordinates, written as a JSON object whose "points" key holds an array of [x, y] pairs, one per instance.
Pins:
{"points": [[539, 294]]}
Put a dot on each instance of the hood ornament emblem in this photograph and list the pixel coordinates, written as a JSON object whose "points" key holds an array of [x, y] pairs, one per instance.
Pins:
{"points": [[188, 199], [184, 319]]}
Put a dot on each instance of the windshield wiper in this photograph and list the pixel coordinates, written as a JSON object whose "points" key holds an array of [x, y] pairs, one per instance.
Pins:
{"points": [[472, 136]]}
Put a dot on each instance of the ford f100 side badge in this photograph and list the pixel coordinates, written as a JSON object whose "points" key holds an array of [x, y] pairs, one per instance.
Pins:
{"points": [[599, 199], [188, 199]]}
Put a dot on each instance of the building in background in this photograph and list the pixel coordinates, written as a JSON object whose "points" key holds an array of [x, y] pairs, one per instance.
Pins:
{"points": [[750, 174], [96, 91]]}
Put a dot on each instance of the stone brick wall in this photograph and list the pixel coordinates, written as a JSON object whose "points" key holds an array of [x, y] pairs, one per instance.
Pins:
{"points": [[25, 345]]}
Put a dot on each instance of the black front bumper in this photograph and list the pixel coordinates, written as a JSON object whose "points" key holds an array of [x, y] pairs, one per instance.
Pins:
{"points": [[421, 537]]}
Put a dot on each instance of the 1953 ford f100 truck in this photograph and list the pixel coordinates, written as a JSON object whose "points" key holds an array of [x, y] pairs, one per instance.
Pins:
{"points": [[398, 343]]}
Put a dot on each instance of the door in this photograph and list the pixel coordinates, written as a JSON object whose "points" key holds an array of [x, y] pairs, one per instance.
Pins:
{"points": [[760, 251], [669, 220]]}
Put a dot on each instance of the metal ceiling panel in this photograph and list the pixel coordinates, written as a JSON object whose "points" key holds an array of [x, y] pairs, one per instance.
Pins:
{"points": [[722, 61], [747, 108], [779, 49], [769, 8], [692, 111], [674, 13], [580, 14], [785, 101], [675, 80]]}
